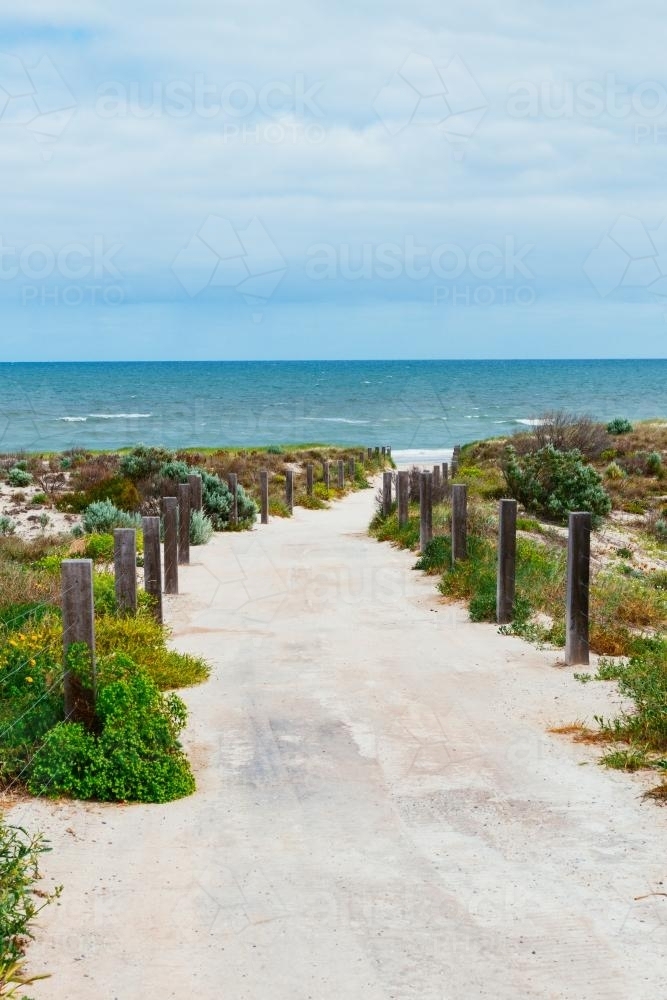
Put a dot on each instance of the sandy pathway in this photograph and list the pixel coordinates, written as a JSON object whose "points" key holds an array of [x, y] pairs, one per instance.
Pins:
{"points": [[381, 814]]}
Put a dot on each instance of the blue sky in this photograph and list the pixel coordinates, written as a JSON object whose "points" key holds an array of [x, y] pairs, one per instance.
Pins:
{"points": [[242, 181]]}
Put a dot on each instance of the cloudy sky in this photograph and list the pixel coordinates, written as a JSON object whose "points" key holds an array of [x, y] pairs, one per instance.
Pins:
{"points": [[248, 180]]}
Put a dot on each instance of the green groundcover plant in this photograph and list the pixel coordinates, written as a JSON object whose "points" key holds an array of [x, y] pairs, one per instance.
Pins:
{"points": [[553, 483]]}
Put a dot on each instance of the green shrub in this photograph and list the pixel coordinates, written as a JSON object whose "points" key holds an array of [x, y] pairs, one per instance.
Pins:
{"points": [[19, 901], [201, 528], [619, 425], [273, 449], [309, 502], [135, 756], [654, 463], [99, 548], [40, 499], [143, 462], [18, 477], [614, 471], [103, 516], [120, 490], [436, 555], [553, 483], [7, 526]]}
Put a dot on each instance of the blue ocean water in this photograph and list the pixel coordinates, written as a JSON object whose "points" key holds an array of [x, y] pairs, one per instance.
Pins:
{"points": [[411, 405]]}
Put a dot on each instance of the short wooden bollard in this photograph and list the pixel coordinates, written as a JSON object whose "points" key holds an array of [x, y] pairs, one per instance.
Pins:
{"points": [[377, 454], [369, 453], [264, 495], [78, 626], [445, 480], [125, 568], [152, 563], [437, 497], [425, 509], [233, 483], [170, 510], [352, 469], [578, 580], [289, 489], [196, 492], [383, 452], [506, 582], [403, 492], [459, 522], [184, 523], [386, 493], [326, 475], [310, 475], [454, 467], [341, 474]]}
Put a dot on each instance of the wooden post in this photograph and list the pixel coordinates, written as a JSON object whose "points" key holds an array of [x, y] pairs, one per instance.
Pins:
{"points": [[437, 497], [152, 564], [459, 522], [377, 454], [454, 468], [388, 451], [445, 480], [425, 509], [264, 495], [326, 476], [369, 453], [383, 451], [578, 579], [506, 582], [78, 626], [403, 496], [170, 510], [341, 474], [184, 523], [309, 478], [386, 493], [196, 492], [125, 568], [289, 489], [233, 483], [352, 469]]}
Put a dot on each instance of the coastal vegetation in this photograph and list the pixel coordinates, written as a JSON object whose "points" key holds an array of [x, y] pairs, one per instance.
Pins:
{"points": [[563, 464]]}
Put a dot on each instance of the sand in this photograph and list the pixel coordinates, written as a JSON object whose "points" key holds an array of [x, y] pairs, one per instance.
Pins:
{"points": [[381, 811]]}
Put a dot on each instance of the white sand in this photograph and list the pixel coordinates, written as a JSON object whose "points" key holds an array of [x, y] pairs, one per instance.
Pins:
{"points": [[381, 813]]}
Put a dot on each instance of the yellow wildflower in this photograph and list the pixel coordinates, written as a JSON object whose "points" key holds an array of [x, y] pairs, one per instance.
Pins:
{"points": [[28, 680]]}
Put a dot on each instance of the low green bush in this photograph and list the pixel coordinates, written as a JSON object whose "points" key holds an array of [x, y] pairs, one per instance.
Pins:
{"points": [[7, 526], [201, 528], [19, 477], [436, 555], [619, 425], [103, 516], [99, 548], [553, 483], [134, 756], [654, 463], [143, 462]]}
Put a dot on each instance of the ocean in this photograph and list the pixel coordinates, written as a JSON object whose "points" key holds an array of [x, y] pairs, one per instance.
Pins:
{"points": [[420, 408]]}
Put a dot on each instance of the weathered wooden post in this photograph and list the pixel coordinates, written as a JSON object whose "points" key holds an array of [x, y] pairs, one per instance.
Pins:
{"points": [[377, 454], [403, 496], [196, 492], [309, 478], [264, 495], [78, 627], [459, 522], [233, 483], [289, 489], [170, 510], [445, 480], [125, 568], [386, 493], [454, 468], [341, 474], [326, 475], [383, 452], [184, 523], [388, 451], [352, 468], [506, 585], [437, 497], [425, 509], [578, 580], [369, 453], [152, 564]]}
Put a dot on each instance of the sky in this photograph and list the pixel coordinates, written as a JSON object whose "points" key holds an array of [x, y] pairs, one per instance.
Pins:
{"points": [[308, 180]]}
